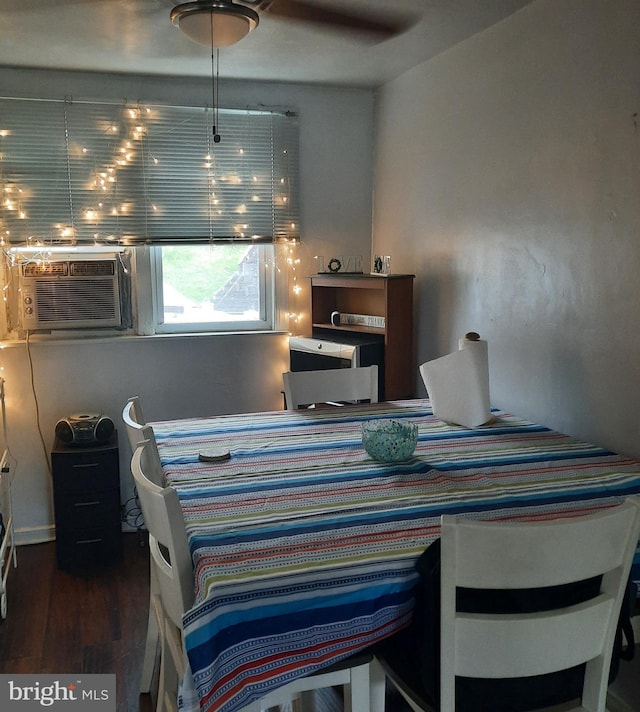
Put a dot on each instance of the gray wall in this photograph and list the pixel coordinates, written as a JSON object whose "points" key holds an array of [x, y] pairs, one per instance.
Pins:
{"points": [[185, 376], [507, 177]]}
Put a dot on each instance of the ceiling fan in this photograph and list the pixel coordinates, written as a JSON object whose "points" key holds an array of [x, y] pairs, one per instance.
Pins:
{"points": [[236, 18], [232, 20]]}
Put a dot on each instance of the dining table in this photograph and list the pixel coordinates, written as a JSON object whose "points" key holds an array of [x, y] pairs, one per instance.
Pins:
{"points": [[304, 547]]}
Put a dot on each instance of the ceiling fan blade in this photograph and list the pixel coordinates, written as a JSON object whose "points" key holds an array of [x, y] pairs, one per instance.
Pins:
{"points": [[309, 12], [30, 5]]}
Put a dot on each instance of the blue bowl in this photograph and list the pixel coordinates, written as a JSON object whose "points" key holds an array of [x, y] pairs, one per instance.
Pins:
{"points": [[389, 440]]}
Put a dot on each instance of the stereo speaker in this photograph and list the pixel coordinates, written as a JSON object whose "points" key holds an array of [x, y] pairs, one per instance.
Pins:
{"points": [[84, 429]]}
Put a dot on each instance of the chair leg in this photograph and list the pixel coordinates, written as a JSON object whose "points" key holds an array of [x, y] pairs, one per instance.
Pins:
{"points": [[174, 666], [161, 704], [154, 622], [303, 702], [170, 705], [169, 680], [171, 665], [150, 649], [377, 686], [357, 696]]}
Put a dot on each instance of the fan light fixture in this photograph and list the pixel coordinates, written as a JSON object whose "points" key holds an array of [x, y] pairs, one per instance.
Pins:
{"points": [[215, 24], [230, 21]]}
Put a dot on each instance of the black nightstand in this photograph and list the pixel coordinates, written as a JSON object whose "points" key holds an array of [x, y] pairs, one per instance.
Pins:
{"points": [[86, 498]]}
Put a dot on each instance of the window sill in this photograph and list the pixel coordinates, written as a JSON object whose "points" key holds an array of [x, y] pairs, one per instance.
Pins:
{"points": [[111, 336]]}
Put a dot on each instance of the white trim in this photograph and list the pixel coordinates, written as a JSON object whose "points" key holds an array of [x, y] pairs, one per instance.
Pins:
{"points": [[34, 535], [265, 322]]}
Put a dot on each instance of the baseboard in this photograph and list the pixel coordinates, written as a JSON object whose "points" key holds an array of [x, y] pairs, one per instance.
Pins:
{"points": [[39, 535], [34, 535]]}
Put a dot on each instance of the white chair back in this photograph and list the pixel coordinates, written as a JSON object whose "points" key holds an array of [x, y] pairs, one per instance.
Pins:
{"points": [[512, 555], [330, 386], [164, 520], [133, 419], [137, 431]]}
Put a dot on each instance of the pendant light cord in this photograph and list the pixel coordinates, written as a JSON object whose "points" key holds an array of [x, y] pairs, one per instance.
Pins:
{"points": [[215, 76], [217, 86]]}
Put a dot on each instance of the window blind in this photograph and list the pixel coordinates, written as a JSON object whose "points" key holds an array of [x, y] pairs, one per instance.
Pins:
{"points": [[97, 173]]}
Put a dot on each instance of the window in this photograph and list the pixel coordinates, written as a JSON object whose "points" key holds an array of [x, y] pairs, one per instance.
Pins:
{"points": [[213, 287], [86, 174]]}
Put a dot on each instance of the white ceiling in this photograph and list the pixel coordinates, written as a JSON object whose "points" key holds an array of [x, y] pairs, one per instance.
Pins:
{"points": [[136, 36]]}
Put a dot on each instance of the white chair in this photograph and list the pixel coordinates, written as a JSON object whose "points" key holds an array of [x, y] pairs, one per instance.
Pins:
{"points": [[137, 431], [174, 574], [172, 571], [509, 555], [331, 386]]}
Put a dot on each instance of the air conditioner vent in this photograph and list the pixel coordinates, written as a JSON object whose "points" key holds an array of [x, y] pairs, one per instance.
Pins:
{"points": [[45, 269], [79, 301], [93, 268]]}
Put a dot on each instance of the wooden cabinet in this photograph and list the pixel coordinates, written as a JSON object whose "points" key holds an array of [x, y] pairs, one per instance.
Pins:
{"points": [[86, 498], [390, 297]]}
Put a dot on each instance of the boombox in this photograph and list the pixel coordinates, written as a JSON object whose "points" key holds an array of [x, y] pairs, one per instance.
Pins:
{"points": [[84, 429]]}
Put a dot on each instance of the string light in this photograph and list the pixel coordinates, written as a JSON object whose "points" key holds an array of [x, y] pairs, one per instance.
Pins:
{"points": [[107, 215]]}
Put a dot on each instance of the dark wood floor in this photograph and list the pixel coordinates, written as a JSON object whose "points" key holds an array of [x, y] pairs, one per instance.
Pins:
{"points": [[93, 622]]}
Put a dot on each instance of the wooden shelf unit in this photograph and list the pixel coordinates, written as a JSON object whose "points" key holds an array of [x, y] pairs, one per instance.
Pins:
{"points": [[389, 296]]}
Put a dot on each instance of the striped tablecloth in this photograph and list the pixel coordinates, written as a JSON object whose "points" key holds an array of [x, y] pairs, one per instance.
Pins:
{"points": [[304, 548]]}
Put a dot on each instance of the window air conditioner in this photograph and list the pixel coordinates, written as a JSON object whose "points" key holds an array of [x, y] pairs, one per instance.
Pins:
{"points": [[69, 294]]}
